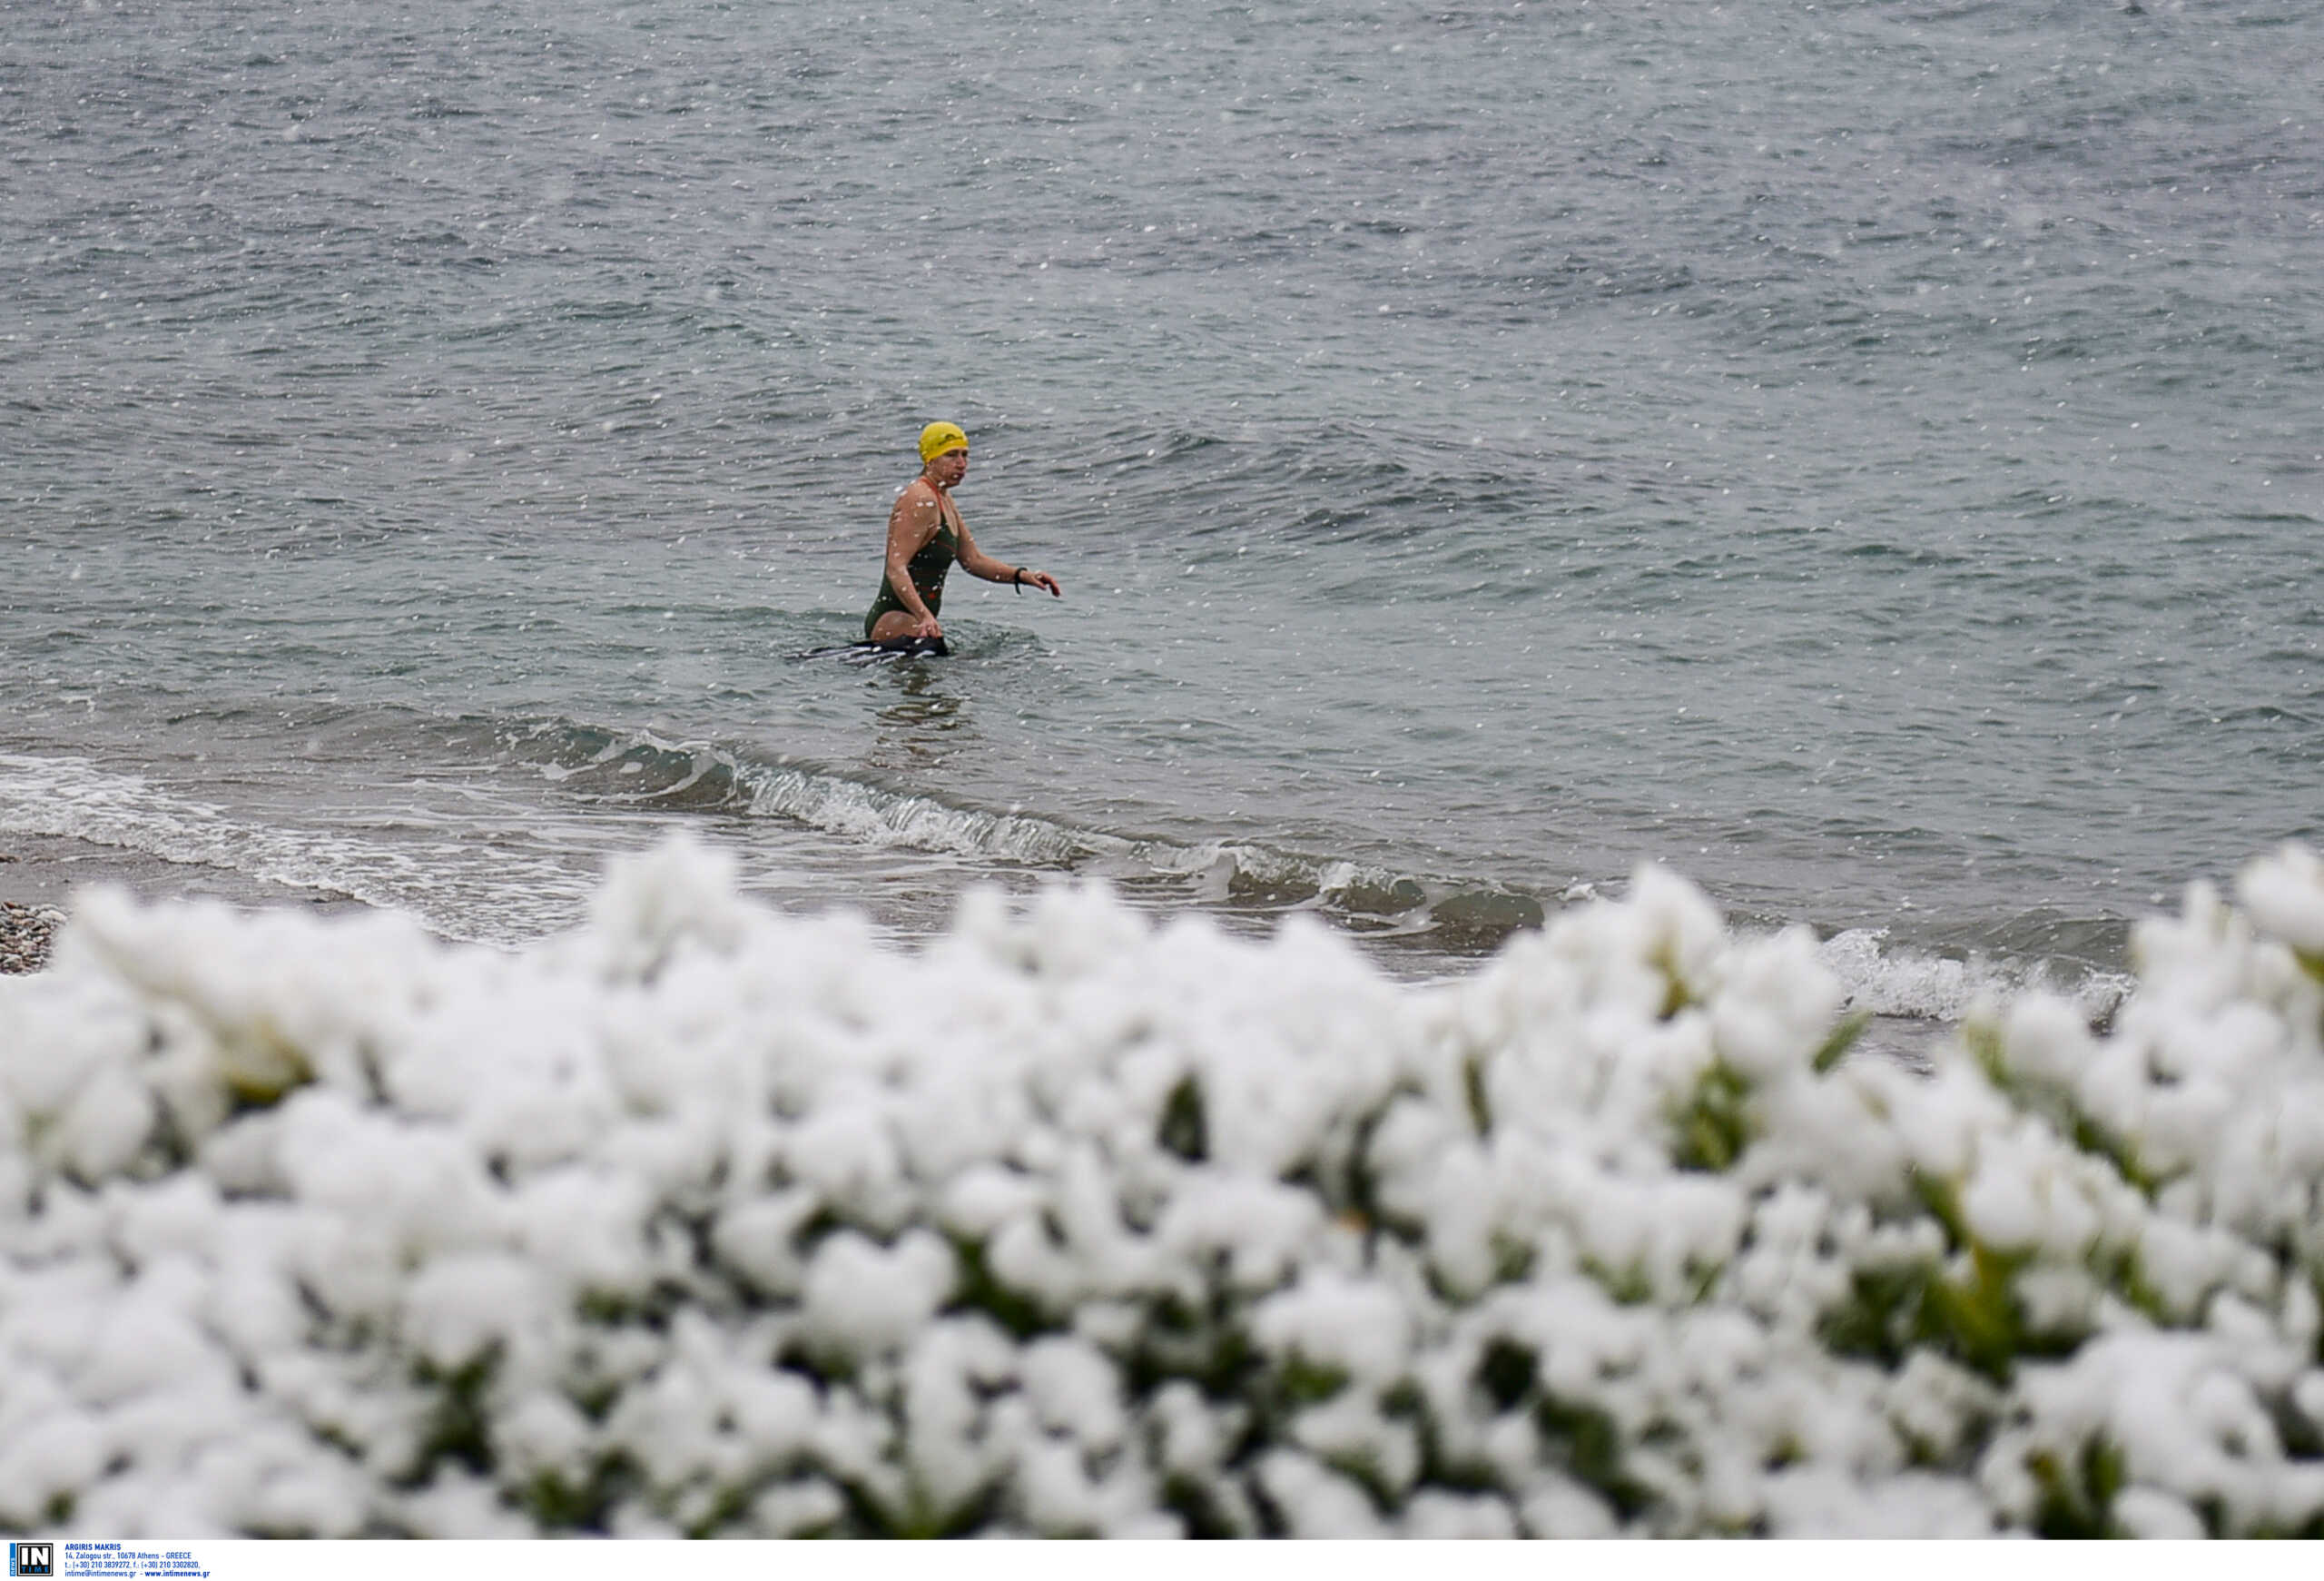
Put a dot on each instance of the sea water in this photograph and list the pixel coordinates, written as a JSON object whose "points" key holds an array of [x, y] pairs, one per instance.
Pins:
{"points": [[1866, 456]]}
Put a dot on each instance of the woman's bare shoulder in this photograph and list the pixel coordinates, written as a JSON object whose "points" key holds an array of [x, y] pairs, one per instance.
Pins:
{"points": [[916, 500]]}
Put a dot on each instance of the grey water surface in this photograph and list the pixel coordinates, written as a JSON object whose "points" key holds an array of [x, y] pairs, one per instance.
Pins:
{"points": [[1868, 455]]}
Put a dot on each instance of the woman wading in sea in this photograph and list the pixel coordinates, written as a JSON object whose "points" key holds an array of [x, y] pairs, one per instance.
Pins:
{"points": [[925, 536]]}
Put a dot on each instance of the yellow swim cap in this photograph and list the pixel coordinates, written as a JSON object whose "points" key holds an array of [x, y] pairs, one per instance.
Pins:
{"points": [[940, 437]]}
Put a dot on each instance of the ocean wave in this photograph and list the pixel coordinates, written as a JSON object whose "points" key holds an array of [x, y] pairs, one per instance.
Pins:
{"points": [[640, 769], [505, 896], [510, 898], [1922, 986]]}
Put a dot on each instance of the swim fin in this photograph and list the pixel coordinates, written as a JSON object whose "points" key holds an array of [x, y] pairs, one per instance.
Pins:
{"points": [[879, 652]]}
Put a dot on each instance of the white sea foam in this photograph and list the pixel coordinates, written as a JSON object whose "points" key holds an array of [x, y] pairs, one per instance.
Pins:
{"points": [[704, 1218], [510, 898], [861, 812], [1888, 980]]}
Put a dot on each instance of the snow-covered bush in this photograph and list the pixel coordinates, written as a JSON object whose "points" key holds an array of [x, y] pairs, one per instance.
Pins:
{"points": [[705, 1220]]}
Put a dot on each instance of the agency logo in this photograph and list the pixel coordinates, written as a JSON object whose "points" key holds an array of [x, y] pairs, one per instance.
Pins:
{"points": [[32, 1559]]}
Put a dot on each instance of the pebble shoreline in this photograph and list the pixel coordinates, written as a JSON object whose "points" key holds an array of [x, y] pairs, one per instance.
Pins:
{"points": [[26, 933]]}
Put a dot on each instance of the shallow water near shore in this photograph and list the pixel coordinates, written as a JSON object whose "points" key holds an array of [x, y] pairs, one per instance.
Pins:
{"points": [[1866, 457]]}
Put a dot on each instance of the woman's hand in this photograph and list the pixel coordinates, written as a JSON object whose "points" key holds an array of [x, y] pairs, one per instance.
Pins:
{"points": [[1040, 579], [926, 627]]}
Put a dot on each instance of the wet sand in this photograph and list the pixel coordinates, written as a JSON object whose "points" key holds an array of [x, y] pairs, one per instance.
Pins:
{"points": [[40, 874]]}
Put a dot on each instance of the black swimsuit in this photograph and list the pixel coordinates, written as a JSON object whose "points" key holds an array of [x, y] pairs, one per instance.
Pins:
{"points": [[927, 568]]}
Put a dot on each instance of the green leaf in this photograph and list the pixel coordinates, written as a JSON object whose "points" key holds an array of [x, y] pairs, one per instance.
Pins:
{"points": [[1714, 1124], [2078, 1496], [1186, 1127], [1844, 1034], [1473, 1080]]}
